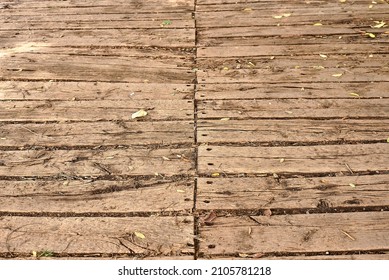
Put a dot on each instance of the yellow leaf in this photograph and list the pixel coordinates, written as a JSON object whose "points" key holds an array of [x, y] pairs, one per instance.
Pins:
{"points": [[371, 35], [286, 15], [323, 56], [317, 24], [354, 94], [243, 255], [215, 174], [139, 114], [166, 158], [379, 24], [352, 185], [225, 68], [282, 160], [277, 16], [180, 191], [34, 254], [225, 119], [342, 1], [247, 9], [337, 75], [139, 235], [387, 140]]}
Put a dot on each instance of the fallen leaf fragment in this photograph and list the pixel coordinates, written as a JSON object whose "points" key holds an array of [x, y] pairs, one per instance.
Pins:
{"points": [[342, 1], [166, 22], [34, 254], [225, 119], [371, 35], [317, 24], [352, 185], [141, 113], [323, 56], [247, 9], [387, 140], [379, 24], [139, 235], [354, 94], [243, 255], [337, 75], [180, 191], [165, 158], [215, 174]]}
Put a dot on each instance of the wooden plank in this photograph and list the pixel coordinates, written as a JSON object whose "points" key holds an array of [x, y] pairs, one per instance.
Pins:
{"points": [[296, 233], [54, 90], [295, 193], [163, 235], [254, 18], [101, 37], [113, 21], [291, 50], [286, 31], [272, 8], [362, 256], [119, 5], [294, 108], [300, 160], [95, 110], [96, 134], [305, 75], [94, 68], [85, 197], [131, 161], [279, 131], [292, 90]]}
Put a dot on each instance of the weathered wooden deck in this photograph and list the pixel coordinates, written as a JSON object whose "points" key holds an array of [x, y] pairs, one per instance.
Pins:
{"points": [[266, 133]]}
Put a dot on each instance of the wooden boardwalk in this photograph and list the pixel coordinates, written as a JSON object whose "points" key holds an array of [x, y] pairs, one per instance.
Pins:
{"points": [[266, 134]]}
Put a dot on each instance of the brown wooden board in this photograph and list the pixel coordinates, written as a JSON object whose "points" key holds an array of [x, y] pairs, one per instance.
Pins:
{"points": [[292, 90], [35, 67], [291, 159], [106, 5], [77, 134], [296, 233], [130, 161], [93, 110], [101, 37], [163, 235], [292, 50], [290, 131], [294, 108], [97, 197], [296, 193], [53, 90]]}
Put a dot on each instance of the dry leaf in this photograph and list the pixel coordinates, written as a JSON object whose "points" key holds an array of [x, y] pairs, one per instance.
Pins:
{"points": [[354, 94], [317, 24], [180, 191], [282, 160], [34, 254], [166, 158], [371, 35], [215, 174], [225, 119], [323, 56], [337, 75], [277, 17], [352, 185], [243, 255], [342, 1], [387, 140], [141, 113], [247, 9], [139, 235], [379, 24]]}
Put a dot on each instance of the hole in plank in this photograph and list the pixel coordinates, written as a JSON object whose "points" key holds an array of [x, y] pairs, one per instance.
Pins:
{"points": [[206, 201], [209, 149], [211, 246], [209, 182], [210, 163], [204, 134]]}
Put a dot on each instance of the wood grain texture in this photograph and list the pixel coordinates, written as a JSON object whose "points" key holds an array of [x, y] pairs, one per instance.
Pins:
{"points": [[296, 233], [294, 108], [84, 197], [291, 131], [95, 110], [293, 90], [126, 133], [131, 161], [163, 235], [296, 193], [303, 159]]}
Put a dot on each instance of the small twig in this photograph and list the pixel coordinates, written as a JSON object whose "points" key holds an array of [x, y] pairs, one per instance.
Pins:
{"points": [[349, 168], [348, 235]]}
